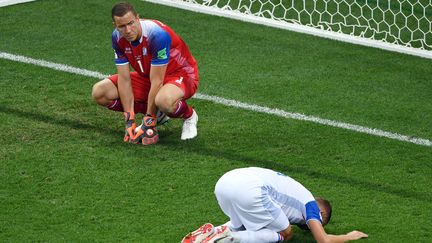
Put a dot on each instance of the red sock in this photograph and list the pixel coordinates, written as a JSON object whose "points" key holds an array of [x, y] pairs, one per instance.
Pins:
{"points": [[139, 107], [182, 110], [115, 105]]}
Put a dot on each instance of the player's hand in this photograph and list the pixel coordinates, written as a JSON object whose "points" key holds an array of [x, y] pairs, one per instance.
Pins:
{"points": [[147, 133], [130, 126], [355, 235]]}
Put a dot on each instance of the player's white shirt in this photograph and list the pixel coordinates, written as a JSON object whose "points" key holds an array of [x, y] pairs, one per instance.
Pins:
{"points": [[254, 197]]}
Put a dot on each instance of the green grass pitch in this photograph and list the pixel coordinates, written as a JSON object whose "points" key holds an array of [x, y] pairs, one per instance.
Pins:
{"points": [[66, 175]]}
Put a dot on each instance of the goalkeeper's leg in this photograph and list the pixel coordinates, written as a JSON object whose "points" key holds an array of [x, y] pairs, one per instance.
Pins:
{"points": [[171, 99], [105, 93]]}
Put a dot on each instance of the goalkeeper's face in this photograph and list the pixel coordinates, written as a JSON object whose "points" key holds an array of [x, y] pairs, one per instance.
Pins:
{"points": [[129, 26]]}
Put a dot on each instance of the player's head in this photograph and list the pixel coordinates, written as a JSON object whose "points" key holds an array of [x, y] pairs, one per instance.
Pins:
{"points": [[126, 20], [325, 209]]}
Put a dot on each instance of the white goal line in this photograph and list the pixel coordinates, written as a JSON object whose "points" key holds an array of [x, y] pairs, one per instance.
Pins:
{"points": [[234, 103]]}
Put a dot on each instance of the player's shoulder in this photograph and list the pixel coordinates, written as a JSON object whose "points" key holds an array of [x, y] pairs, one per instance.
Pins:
{"points": [[152, 22], [150, 27]]}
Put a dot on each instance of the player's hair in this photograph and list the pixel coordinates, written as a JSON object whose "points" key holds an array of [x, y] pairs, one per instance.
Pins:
{"points": [[326, 209], [122, 8]]}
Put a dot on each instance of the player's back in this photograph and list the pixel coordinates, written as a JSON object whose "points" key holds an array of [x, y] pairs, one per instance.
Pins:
{"points": [[288, 193]]}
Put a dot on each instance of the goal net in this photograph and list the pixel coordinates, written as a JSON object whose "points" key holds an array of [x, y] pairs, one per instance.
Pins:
{"points": [[398, 25]]}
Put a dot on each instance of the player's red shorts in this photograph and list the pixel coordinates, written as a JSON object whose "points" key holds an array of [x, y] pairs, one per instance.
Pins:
{"points": [[141, 85]]}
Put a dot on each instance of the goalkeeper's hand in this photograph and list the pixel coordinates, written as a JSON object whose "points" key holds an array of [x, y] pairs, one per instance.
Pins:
{"points": [[147, 133], [130, 126]]}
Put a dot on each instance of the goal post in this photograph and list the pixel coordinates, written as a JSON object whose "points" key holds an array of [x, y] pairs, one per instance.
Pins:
{"points": [[397, 25]]}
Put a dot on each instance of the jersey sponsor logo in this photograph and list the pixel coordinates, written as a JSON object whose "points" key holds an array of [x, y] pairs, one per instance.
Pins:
{"points": [[162, 54], [144, 51]]}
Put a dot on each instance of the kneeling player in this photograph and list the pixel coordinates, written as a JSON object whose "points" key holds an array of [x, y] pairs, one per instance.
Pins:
{"points": [[262, 205]]}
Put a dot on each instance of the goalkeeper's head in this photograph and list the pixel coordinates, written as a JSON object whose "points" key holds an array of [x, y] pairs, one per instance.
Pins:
{"points": [[325, 209], [121, 9], [126, 21]]}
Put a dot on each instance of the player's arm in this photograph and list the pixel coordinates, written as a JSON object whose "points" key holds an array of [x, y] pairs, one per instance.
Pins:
{"points": [[287, 233], [124, 83], [159, 43], [127, 98], [321, 236], [157, 76], [125, 88]]}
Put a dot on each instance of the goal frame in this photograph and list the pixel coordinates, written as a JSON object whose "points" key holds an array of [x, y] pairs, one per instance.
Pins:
{"points": [[295, 27]]}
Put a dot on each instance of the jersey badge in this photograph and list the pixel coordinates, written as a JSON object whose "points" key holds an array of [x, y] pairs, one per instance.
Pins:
{"points": [[162, 54]]}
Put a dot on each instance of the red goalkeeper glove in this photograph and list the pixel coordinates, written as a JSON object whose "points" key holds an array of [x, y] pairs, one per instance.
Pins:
{"points": [[147, 133], [130, 126]]}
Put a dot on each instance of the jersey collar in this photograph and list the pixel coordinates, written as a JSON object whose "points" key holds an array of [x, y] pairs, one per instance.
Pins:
{"points": [[137, 42]]}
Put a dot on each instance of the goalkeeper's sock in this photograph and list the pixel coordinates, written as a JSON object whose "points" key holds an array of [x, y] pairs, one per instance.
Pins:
{"points": [[182, 110], [115, 105]]}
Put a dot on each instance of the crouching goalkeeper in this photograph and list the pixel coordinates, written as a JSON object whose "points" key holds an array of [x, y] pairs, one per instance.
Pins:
{"points": [[165, 75]]}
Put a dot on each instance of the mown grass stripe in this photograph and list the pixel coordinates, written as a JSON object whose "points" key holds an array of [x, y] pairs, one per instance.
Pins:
{"points": [[234, 103]]}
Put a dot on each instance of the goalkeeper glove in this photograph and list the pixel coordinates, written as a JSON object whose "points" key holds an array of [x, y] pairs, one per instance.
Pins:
{"points": [[148, 133], [130, 126]]}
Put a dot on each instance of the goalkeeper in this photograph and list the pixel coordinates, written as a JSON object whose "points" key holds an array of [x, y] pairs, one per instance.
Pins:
{"points": [[165, 75], [262, 206]]}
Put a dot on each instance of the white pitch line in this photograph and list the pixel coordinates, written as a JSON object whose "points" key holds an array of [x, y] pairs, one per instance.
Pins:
{"points": [[302, 117], [4, 3], [52, 65], [234, 103]]}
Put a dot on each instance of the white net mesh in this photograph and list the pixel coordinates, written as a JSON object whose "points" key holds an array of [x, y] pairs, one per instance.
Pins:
{"points": [[402, 22]]}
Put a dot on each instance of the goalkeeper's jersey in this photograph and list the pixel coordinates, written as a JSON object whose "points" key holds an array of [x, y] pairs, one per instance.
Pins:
{"points": [[158, 45]]}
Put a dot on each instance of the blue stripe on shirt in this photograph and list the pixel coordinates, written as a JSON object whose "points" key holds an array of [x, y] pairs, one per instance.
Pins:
{"points": [[313, 211], [159, 43], [120, 57]]}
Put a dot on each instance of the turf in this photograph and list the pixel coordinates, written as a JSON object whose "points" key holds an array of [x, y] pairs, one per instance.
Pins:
{"points": [[65, 174]]}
